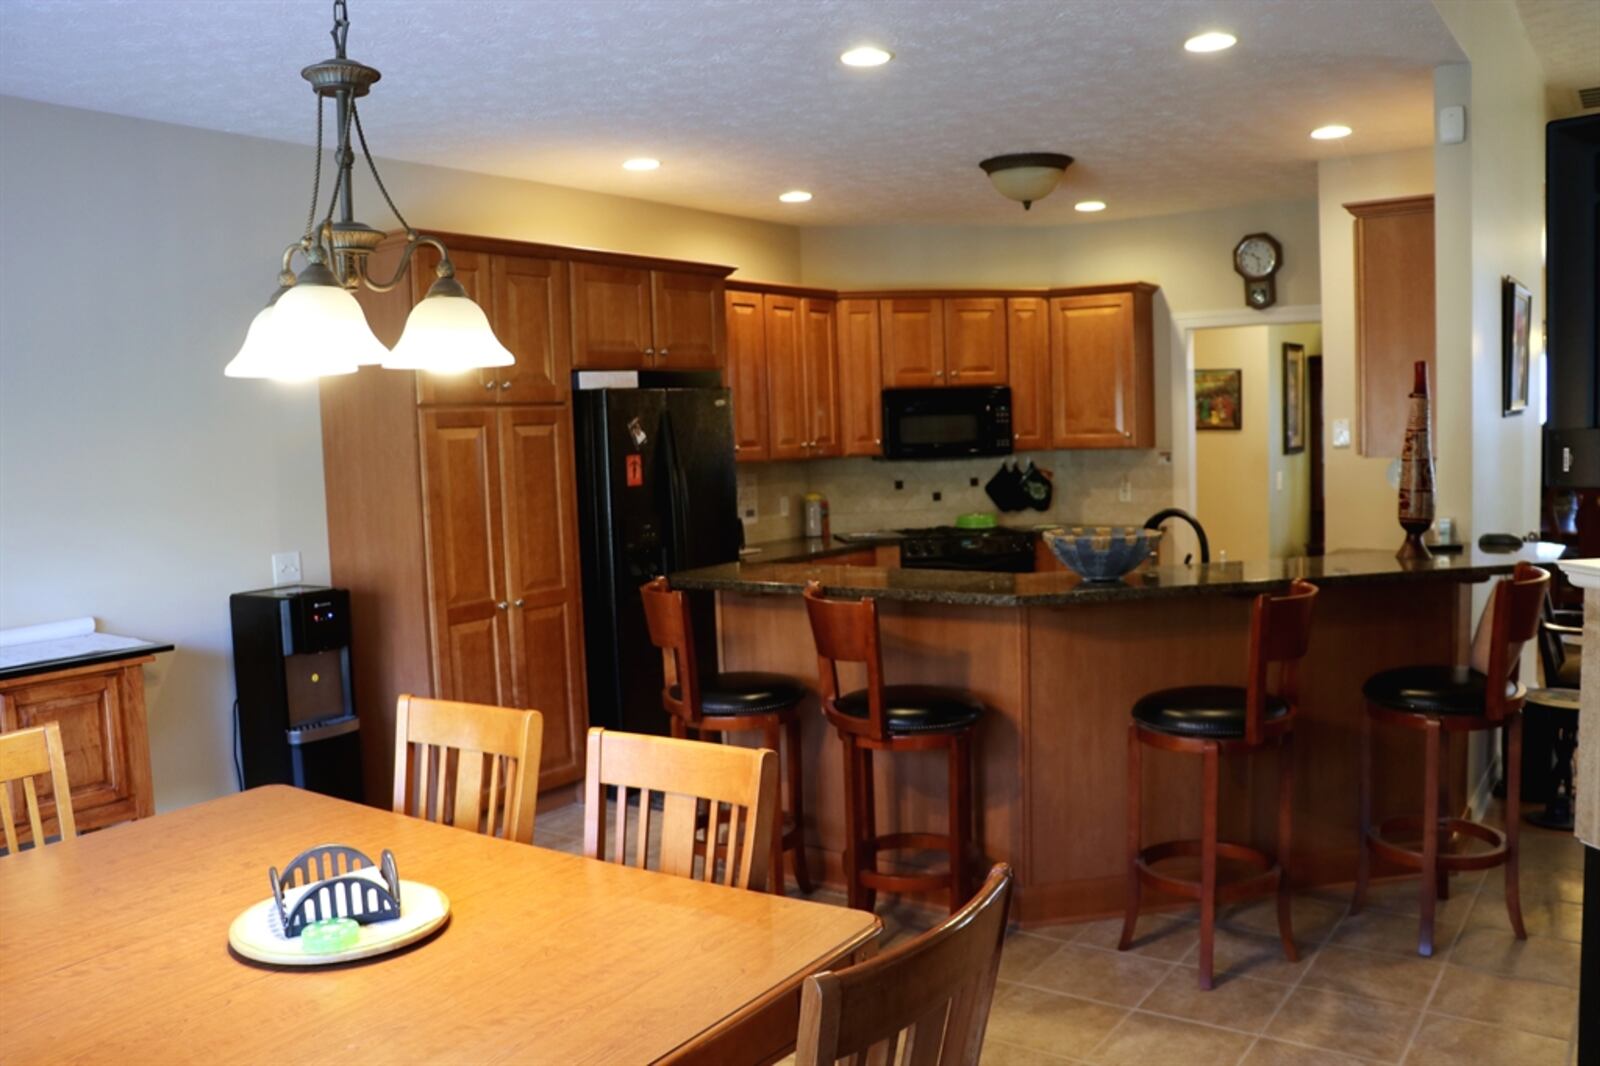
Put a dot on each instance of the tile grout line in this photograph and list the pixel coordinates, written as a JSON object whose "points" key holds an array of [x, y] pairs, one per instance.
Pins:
{"points": [[1438, 978]]}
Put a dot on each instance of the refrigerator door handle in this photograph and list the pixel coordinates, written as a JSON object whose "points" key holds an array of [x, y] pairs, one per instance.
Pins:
{"points": [[677, 499]]}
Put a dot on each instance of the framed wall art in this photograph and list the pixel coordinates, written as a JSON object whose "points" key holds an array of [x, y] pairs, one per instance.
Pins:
{"points": [[1218, 399], [1294, 399], [1516, 324]]}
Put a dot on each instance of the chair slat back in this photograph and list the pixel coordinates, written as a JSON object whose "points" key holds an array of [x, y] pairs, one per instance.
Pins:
{"points": [[24, 755], [728, 793], [1517, 602], [846, 631], [469, 765], [932, 993], [666, 613], [1280, 632]]}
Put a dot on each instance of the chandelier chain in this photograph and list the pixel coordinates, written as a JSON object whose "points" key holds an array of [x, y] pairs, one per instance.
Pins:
{"points": [[316, 178], [341, 27], [355, 115]]}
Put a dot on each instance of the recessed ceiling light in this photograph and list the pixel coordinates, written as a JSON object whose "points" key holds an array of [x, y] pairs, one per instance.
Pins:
{"points": [[642, 163], [865, 56], [1213, 41], [795, 196], [1089, 205], [1330, 133]]}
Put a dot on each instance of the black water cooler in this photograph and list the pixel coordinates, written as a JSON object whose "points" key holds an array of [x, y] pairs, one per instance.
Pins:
{"points": [[297, 722]]}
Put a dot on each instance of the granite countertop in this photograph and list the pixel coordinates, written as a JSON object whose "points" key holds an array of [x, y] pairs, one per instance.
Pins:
{"points": [[1062, 588], [799, 549]]}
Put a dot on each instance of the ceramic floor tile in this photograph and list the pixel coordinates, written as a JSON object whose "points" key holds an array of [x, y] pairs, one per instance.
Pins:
{"points": [[1047, 1021], [1443, 1041], [1108, 976], [1404, 897], [1267, 1052], [1394, 934], [1547, 917], [1249, 955], [1022, 953], [1351, 1024], [1234, 1002], [1534, 1006], [1538, 958], [1537, 885], [1311, 919], [1157, 936], [1394, 978], [1146, 1038], [997, 1054], [1550, 850]]}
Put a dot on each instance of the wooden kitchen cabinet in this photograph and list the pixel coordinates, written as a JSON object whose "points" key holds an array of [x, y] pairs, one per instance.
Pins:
{"points": [[913, 342], [636, 318], [975, 340], [100, 710], [1394, 286], [1102, 369], [788, 426], [860, 378], [746, 375], [1028, 368], [687, 320], [819, 350]]}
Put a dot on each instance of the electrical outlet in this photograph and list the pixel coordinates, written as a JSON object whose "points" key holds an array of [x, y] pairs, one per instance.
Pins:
{"points": [[1125, 491], [286, 568], [1280, 481], [783, 507], [1341, 433]]}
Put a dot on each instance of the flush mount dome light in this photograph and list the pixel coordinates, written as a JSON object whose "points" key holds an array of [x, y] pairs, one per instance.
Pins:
{"points": [[1089, 207], [1026, 176], [642, 163], [1330, 133], [795, 196], [866, 56], [1212, 41]]}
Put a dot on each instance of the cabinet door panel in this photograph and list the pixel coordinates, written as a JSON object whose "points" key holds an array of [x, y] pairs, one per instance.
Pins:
{"points": [[819, 344], [541, 548], [787, 423], [1093, 373], [913, 343], [90, 713], [465, 564], [860, 378], [975, 340], [474, 270], [1394, 316], [747, 374], [688, 320], [610, 318], [1028, 344], [531, 319]]}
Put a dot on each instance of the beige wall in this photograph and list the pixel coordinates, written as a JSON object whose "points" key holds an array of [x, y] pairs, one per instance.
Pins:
{"points": [[1361, 503], [1233, 497], [136, 483]]}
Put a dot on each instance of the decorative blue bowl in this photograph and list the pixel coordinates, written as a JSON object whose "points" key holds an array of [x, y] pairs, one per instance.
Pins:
{"points": [[1102, 553]]}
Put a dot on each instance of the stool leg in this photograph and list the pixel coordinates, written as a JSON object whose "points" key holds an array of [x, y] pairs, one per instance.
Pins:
{"points": [[1513, 822], [1285, 842], [792, 743], [852, 822], [1364, 819], [770, 737], [869, 823], [679, 729], [1429, 886], [959, 784], [1443, 881], [1131, 920], [1208, 866]]}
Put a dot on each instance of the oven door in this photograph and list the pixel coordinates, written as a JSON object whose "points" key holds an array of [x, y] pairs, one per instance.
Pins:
{"points": [[946, 423]]}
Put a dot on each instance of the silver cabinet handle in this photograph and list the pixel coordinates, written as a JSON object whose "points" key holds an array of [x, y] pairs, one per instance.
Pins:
{"points": [[488, 384], [516, 603], [501, 605], [505, 384], [649, 351]]}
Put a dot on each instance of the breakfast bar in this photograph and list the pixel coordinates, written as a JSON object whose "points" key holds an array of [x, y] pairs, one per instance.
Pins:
{"points": [[1059, 663]]}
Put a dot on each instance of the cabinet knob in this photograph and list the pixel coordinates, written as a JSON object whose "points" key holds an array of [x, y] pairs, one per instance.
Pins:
{"points": [[501, 605], [735, 447], [505, 384], [516, 603], [488, 384], [662, 353], [955, 373], [938, 373], [1127, 434], [877, 440], [649, 351]]}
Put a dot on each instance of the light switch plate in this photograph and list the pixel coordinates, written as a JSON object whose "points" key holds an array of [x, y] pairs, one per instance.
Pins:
{"points": [[1125, 491], [1452, 124], [286, 568], [783, 507], [1341, 433]]}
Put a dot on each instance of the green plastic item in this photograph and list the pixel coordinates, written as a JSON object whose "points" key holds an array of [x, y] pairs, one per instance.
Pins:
{"points": [[330, 935], [976, 520]]}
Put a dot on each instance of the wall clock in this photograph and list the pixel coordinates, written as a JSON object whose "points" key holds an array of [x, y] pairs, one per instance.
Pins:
{"points": [[1256, 258]]}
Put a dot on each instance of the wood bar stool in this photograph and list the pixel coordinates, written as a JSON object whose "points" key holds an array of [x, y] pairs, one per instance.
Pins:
{"points": [[1211, 721], [1437, 701], [890, 718], [731, 703]]}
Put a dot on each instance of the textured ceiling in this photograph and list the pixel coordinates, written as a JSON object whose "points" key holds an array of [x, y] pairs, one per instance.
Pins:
{"points": [[742, 100], [1566, 36]]}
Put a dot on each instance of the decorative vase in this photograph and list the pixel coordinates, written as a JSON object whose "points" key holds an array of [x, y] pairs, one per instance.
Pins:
{"points": [[1416, 470]]}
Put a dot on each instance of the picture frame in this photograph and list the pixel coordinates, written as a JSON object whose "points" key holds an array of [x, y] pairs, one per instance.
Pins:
{"points": [[1294, 399], [1218, 399], [1516, 326]]}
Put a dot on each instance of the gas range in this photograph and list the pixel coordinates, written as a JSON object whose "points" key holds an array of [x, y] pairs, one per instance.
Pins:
{"points": [[951, 548]]}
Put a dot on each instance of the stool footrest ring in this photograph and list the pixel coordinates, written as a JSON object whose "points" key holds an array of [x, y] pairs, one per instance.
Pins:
{"points": [[1379, 838], [1226, 891]]}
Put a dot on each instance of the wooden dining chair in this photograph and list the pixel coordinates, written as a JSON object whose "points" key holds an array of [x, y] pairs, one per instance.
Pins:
{"points": [[934, 991], [25, 754], [442, 751], [738, 787]]}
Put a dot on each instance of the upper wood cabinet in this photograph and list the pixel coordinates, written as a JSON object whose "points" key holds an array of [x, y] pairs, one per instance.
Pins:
{"points": [[1394, 314], [747, 373], [975, 340], [1028, 369], [472, 271], [860, 378], [819, 347], [531, 319], [913, 342], [1102, 369], [788, 427], [634, 318]]}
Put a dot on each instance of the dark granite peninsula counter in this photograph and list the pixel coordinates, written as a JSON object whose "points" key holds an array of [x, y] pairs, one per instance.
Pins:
{"points": [[1059, 664]]}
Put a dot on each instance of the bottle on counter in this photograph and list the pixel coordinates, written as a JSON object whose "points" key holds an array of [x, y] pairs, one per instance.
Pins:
{"points": [[816, 515]]}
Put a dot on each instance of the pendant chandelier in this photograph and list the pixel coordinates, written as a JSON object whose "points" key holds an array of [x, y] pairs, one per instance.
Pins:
{"points": [[312, 326]]}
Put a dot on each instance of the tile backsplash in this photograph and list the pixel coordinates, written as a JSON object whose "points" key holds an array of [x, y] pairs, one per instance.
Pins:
{"points": [[866, 494]]}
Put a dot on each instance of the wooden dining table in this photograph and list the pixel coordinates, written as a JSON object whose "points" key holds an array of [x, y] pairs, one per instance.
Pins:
{"points": [[114, 948]]}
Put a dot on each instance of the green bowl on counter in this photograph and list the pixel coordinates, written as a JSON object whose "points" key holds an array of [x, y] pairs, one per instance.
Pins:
{"points": [[976, 520]]}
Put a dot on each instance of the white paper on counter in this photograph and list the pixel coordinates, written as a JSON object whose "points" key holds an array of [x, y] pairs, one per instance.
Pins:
{"points": [[49, 651], [73, 627]]}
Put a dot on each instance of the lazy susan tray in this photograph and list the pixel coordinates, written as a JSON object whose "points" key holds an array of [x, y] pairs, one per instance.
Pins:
{"points": [[258, 932]]}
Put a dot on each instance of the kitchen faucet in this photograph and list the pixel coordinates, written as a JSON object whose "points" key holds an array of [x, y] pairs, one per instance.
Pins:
{"points": [[1155, 520]]}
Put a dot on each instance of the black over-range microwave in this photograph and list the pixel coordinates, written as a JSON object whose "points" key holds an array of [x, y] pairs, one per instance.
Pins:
{"points": [[946, 423]]}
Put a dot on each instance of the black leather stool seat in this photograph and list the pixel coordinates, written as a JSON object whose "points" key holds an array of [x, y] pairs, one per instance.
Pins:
{"points": [[917, 708], [1432, 690], [1213, 712], [725, 695]]}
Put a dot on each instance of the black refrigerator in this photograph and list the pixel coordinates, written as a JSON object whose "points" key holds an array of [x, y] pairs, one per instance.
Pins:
{"points": [[656, 494]]}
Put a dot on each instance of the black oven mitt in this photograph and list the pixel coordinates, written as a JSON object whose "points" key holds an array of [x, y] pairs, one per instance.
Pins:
{"points": [[1037, 487], [1005, 487]]}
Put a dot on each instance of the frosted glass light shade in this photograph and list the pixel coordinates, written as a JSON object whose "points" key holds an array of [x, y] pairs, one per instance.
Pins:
{"points": [[447, 334], [1026, 176], [250, 362], [318, 329]]}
